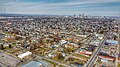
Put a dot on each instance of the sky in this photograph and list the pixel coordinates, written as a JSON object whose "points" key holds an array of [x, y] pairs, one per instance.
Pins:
{"points": [[62, 7]]}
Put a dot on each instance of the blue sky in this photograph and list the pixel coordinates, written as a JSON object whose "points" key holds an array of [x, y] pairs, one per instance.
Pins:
{"points": [[62, 7]]}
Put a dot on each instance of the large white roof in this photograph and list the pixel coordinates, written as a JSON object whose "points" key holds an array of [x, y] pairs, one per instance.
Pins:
{"points": [[24, 54]]}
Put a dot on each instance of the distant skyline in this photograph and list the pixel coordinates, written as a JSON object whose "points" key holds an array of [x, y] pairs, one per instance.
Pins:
{"points": [[62, 7]]}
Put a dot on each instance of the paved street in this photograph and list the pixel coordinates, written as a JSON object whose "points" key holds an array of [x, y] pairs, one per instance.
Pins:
{"points": [[93, 58]]}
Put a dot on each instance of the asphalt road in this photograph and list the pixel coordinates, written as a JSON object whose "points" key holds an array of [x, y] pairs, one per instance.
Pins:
{"points": [[93, 58]]}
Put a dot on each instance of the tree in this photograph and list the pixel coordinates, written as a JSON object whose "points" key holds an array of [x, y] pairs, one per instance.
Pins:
{"points": [[70, 59], [59, 56], [1, 46], [10, 46], [18, 38]]}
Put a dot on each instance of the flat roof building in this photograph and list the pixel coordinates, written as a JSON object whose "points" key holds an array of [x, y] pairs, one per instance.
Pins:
{"points": [[24, 54]]}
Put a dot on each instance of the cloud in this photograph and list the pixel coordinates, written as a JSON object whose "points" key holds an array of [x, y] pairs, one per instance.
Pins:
{"points": [[65, 7], [64, 3], [6, 1]]}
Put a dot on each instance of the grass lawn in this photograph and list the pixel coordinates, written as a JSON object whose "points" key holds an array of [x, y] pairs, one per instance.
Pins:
{"points": [[59, 60], [61, 66], [74, 60], [81, 56], [119, 65], [41, 51], [12, 51]]}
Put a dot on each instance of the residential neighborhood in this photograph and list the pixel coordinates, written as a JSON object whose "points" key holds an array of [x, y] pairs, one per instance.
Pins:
{"points": [[59, 41]]}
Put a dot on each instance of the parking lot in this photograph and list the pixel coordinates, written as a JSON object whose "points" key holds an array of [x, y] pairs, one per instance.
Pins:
{"points": [[7, 60]]}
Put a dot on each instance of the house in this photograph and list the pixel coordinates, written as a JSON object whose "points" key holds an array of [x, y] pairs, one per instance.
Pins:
{"points": [[100, 36], [63, 42], [112, 42], [106, 56], [105, 51], [2, 35], [104, 60], [86, 53]]}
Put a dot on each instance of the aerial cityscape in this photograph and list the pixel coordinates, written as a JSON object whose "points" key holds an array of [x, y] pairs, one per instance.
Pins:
{"points": [[59, 33]]}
